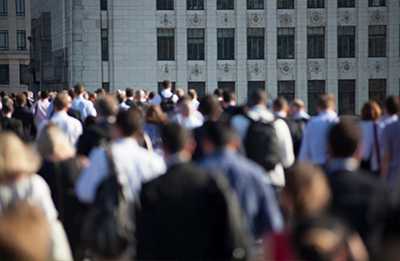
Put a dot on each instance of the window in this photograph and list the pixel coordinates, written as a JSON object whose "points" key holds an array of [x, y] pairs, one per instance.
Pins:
{"points": [[315, 90], [21, 40], [24, 74], [373, 3], [195, 4], [3, 7], [226, 4], [286, 89], [20, 7], [3, 40], [316, 42], [316, 3], [227, 86], [103, 5], [346, 3], [255, 4], [347, 97], [285, 4], [104, 45], [166, 44], [199, 87], [254, 86], [346, 41], [4, 74], [377, 41], [165, 4], [195, 44], [377, 90], [255, 43], [286, 42], [226, 44], [105, 86]]}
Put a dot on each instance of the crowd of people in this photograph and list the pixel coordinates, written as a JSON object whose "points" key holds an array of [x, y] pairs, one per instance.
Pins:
{"points": [[136, 175]]}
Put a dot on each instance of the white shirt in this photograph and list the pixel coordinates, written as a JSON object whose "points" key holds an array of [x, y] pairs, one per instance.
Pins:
{"points": [[241, 124], [85, 107], [70, 126], [134, 166], [314, 145], [166, 94], [369, 150], [193, 121], [41, 111]]}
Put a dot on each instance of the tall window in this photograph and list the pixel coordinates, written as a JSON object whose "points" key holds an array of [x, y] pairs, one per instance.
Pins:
{"points": [[373, 3], [285, 4], [255, 4], [346, 3], [104, 45], [165, 4], [255, 43], [286, 42], [166, 44], [195, 4], [226, 44], [286, 89], [347, 97], [316, 88], [20, 7], [4, 74], [316, 3], [226, 4], [103, 5], [254, 86], [346, 41], [199, 87], [377, 90], [316, 42], [21, 40], [227, 86], [3, 40], [377, 41], [195, 44], [3, 7]]}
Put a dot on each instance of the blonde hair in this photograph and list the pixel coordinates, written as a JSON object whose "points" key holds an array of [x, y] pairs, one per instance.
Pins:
{"points": [[53, 144]]}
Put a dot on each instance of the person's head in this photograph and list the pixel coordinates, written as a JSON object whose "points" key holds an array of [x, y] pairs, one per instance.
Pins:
{"points": [[192, 94], [20, 100], [16, 158], [92, 97], [210, 107], [392, 105], [297, 106], [130, 123], [53, 145], [218, 136], [177, 140], [185, 106], [326, 102], [24, 233], [79, 89], [344, 139], [151, 96], [228, 97], [140, 96], [307, 192], [44, 94], [180, 93], [155, 115], [129, 93], [280, 105], [218, 93], [62, 102], [8, 105], [106, 106], [120, 96], [166, 85], [258, 97], [100, 92], [371, 111]]}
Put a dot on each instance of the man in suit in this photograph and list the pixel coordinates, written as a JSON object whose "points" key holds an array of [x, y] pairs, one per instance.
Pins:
{"points": [[7, 123], [22, 113]]}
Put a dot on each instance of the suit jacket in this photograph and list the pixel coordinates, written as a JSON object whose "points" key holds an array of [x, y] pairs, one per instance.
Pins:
{"points": [[13, 125], [26, 117]]}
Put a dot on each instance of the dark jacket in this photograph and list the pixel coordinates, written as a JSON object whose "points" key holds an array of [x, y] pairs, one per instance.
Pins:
{"points": [[26, 117], [13, 125]]}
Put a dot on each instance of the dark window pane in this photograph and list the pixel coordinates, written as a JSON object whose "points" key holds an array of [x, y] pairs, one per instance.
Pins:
{"points": [[315, 90], [254, 86], [195, 4], [195, 44], [373, 3], [346, 3], [346, 41], [103, 5], [199, 87], [165, 4], [285, 4], [347, 97], [226, 44], [286, 89], [316, 42], [255, 4], [104, 45], [4, 74], [226, 4], [4, 40], [227, 86], [166, 44], [316, 3], [286, 43], [21, 40], [377, 41], [106, 86], [3, 7], [20, 7], [377, 90], [24, 74], [255, 43]]}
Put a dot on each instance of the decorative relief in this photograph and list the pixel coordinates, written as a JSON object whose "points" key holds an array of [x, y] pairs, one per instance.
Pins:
{"points": [[377, 16], [316, 18], [316, 69], [166, 20], [167, 71], [256, 19], [195, 20], [226, 71], [286, 70], [377, 68], [225, 19], [346, 17], [256, 70], [286, 18], [196, 72], [347, 68]]}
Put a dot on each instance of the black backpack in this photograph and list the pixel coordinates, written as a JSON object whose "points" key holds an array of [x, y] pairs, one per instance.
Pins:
{"points": [[261, 144], [108, 228], [167, 104]]}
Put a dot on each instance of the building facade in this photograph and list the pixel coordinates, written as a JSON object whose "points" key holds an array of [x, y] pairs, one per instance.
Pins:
{"points": [[14, 45], [291, 48]]}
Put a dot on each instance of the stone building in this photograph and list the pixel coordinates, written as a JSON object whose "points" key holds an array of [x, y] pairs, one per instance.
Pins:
{"points": [[14, 46], [300, 48]]}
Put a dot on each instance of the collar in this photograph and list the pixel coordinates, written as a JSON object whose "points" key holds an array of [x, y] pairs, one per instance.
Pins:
{"points": [[126, 140], [62, 113], [328, 113], [343, 164], [260, 112], [280, 114], [175, 159]]}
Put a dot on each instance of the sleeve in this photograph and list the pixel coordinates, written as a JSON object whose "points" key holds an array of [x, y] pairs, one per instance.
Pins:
{"points": [[285, 143], [43, 199], [304, 154]]}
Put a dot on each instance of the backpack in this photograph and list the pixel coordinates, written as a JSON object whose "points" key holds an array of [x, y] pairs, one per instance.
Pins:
{"points": [[108, 228], [296, 128], [167, 104], [261, 144]]}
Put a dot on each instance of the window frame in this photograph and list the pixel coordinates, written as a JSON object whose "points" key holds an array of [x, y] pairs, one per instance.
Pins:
{"points": [[198, 48], [314, 48], [199, 87], [346, 3], [105, 52], [226, 4], [165, 5], [20, 7], [170, 50], [194, 5], [313, 94], [375, 47], [376, 3], [286, 43], [374, 94], [21, 39], [4, 7], [225, 43], [288, 95], [347, 90], [346, 42], [6, 40], [285, 4], [5, 68], [316, 4], [255, 4], [255, 43]]}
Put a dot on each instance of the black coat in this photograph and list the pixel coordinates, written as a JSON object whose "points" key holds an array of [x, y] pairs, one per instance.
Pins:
{"points": [[26, 117], [13, 125]]}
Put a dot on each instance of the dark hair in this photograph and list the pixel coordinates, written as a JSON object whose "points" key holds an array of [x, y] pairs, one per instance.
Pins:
{"points": [[106, 106], [228, 96], [100, 91], [371, 111], [280, 103], [130, 122], [210, 106], [151, 95], [392, 105], [71, 93], [344, 138], [166, 84], [129, 92], [257, 97], [79, 88], [174, 137], [20, 99], [8, 105], [326, 101], [218, 134], [44, 94]]}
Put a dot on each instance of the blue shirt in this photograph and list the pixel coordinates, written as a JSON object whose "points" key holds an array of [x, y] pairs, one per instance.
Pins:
{"points": [[248, 180]]}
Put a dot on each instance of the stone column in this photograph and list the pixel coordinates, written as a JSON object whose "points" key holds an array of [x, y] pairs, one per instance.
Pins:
{"points": [[181, 44], [362, 54], [241, 50], [393, 36], [271, 63], [301, 51], [211, 45], [331, 49]]}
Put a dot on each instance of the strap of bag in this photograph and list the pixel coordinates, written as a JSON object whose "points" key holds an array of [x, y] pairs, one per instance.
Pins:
{"points": [[376, 145]]}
